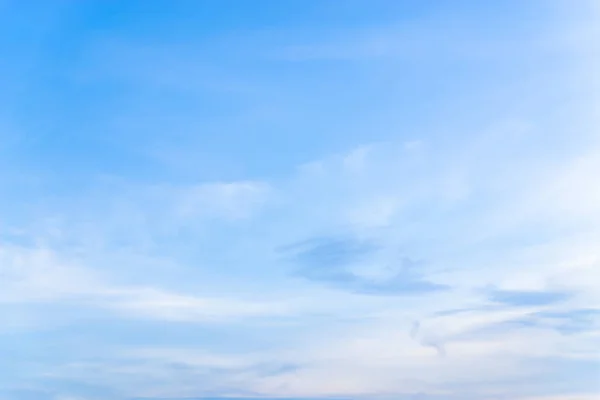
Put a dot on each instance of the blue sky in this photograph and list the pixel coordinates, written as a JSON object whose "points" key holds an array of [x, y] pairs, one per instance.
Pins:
{"points": [[383, 199]]}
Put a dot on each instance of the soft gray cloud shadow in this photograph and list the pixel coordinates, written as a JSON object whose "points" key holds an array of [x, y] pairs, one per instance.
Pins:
{"points": [[329, 260]]}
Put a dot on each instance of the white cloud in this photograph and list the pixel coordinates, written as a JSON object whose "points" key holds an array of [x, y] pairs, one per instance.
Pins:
{"points": [[233, 200], [38, 275], [375, 212], [167, 306]]}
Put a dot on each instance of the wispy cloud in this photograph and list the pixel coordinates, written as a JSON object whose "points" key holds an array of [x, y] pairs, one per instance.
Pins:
{"points": [[41, 276], [340, 262]]}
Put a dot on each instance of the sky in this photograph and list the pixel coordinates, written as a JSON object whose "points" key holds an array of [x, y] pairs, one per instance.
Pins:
{"points": [[300, 199]]}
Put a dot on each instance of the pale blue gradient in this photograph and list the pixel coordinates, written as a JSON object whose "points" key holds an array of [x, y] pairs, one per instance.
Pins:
{"points": [[299, 199]]}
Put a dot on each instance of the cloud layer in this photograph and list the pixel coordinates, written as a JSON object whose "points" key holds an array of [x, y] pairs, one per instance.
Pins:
{"points": [[324, 209]]}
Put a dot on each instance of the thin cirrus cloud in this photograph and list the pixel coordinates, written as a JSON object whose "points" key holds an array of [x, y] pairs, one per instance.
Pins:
{"points": [[340, 205]]}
